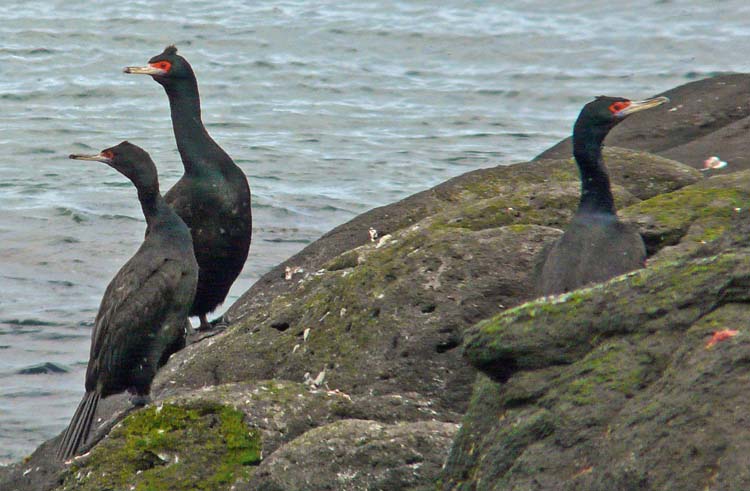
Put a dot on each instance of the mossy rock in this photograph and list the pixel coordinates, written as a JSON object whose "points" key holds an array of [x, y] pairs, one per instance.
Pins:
{"points": [[619, 369], [547, 192], [200, 446], [562, 329], [389, 322], [693, 215], [358, 454]]}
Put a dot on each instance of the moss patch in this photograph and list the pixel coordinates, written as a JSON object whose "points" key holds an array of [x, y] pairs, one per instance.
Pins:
{"points": [[706, 208], [200, 446], [562, 329]]}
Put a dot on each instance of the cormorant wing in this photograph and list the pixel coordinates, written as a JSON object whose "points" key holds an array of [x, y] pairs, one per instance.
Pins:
{"points": [[134, 306]]}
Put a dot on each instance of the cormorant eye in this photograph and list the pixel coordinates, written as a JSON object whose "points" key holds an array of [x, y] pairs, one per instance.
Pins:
{"points": [[108, 154], [162, 65], [618, 106]]}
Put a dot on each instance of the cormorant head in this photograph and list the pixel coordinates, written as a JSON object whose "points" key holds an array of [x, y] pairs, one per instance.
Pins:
{"points": [[166, 68], [129, 160], [605, 112]]}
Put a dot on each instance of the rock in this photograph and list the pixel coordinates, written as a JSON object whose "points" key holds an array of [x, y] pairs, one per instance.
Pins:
{"points": [[363, 341], [389, 325], [358, 454], [387, 317], [616, 386], [200, 445], [704, 118], [692, 216]]}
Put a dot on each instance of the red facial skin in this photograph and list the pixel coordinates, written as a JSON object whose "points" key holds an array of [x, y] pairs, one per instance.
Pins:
{"points": [[618, 106], [161, 65]]}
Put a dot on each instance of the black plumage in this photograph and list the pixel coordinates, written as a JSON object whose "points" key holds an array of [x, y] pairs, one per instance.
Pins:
{"points": [[213, 196], [144, 310], [595, 246]]}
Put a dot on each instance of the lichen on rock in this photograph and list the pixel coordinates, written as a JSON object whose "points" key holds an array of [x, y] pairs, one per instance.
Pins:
{"points": [[348, 372], [199, 446]]}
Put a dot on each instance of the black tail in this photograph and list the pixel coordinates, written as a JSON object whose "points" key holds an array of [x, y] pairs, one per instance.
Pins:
{"points": [[78, 429]]}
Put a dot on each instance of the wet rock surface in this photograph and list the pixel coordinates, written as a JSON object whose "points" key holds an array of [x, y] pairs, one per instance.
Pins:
{"points": [[350, 365], [704, 118]]}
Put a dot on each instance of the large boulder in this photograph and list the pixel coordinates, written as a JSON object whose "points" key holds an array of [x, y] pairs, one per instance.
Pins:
{"points": [[705, 118], [342, 366], [358, 343], [623, 385]]}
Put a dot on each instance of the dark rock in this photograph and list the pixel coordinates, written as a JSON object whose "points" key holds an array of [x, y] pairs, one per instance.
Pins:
{"points": [[633, 395], [704, 118], [358, 454], [364, 346]]}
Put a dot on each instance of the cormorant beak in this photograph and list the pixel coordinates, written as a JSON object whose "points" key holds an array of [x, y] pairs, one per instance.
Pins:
{"points": [[144, 70], [636, 106], [98, 158]]}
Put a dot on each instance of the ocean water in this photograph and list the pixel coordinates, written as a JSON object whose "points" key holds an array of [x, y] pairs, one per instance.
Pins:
{"points": [[331, 108]]}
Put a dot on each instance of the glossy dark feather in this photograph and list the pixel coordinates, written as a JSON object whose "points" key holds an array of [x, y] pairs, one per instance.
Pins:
{"points": [[213, 196], [595, 246], [143, 312], [592, 249]]}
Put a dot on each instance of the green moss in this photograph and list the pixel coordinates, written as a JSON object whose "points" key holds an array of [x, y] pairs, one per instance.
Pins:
{"points": [[610, 367], [348, 259], [528, 204], [562, 329], [200, 446], [710, 205], [519, 227], [580, 392]]}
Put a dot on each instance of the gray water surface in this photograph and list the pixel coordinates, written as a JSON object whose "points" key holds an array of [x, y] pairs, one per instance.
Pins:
{"points": [[331, 108]]}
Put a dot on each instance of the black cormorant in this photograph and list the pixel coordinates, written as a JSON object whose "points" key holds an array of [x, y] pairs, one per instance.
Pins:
{"points": [[213, 196], [145, 307], [596, 246]]}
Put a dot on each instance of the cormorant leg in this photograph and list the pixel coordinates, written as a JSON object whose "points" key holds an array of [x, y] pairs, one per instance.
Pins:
{"points": [[205, 325], [140, 400]]}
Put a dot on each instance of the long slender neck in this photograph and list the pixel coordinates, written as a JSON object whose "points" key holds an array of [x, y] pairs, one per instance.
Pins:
{"points": [[151, 203], [195, 145], [596, 193]]}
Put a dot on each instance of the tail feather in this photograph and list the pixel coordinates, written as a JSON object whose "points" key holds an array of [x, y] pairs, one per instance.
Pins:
{"points": [[78, 429]]}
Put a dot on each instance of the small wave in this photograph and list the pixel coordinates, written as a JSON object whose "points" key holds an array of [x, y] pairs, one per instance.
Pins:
{"points": [[508, 93], [61, 283], [41, 368], [28, 322], [287, 241], [19, 97], [69, 240], [28, 393], [120, 217], [44, 336], [264, 178], [264, 64], [67, 212]]}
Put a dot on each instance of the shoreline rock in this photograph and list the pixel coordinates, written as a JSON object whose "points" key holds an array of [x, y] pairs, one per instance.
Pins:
{"points": [[363, 343]]}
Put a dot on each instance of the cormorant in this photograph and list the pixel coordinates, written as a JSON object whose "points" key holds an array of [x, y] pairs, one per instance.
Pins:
{"points": [[145, 307], [595, 246], [213, 196]]}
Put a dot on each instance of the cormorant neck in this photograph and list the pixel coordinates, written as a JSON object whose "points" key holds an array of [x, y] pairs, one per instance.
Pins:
{"points": [[152, 203], [193, 141], [596, 193]]}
